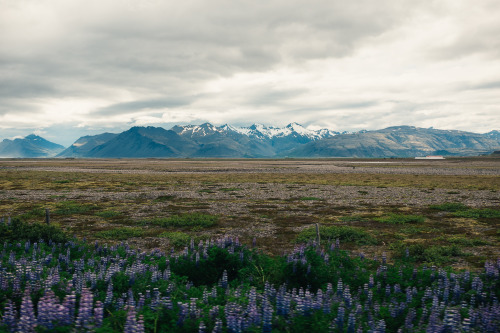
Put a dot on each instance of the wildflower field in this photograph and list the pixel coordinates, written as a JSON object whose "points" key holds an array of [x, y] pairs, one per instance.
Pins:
{"points": [[231, 246], [222, 286]]}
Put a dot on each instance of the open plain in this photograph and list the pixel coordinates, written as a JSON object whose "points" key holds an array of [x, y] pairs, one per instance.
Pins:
{"points": [[450, 207]]}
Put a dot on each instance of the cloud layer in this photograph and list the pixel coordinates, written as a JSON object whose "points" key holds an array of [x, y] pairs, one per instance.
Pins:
{"points": [[337, 64]]}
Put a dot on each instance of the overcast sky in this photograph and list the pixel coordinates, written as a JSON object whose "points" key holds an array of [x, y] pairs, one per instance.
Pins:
{"points": [[73, 67]]}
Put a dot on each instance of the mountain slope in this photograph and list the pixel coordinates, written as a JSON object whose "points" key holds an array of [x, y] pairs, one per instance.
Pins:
{"points": [[400, 141], [85, 144], [30, 146], [140, 142], [224, 141]]}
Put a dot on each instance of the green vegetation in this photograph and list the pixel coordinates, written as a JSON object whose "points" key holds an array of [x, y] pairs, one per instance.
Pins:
{"points": [[120, 233], [177, 239], [35, 213], [353, 218], [19, 230], [309, 198], [229, 189], [477, 213], [72, 208], [185, 220], [449, 207], [108, 214], [464, 241], [429, 254], [400, 219], [411, 230], [345, 234], [461, 210], [163, 198]]}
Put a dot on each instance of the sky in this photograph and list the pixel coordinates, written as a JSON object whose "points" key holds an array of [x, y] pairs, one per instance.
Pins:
{"points": [[70, 68]]}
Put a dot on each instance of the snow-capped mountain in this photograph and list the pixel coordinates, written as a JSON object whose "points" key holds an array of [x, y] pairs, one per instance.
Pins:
{"points": [[255, 131]]}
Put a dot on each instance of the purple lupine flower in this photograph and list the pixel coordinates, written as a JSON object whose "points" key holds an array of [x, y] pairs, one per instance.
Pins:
{"points": [[351, 323], [9, 316], [217, 326], [202, 328], [84, 320], [224, 279], [267, 316], [380, 327], [339, 321], [98, 313], [183, 312], [139, 328], [47, 310], [131, 321], [27, 319], [69, 304]]}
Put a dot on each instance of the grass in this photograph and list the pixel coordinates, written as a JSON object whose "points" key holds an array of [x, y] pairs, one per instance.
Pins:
{"points": [[35, 213], [177, 239], [449, 207], [108, 214], [478, 213], [345, 234], [309, 198], [185, 220], [72, 208], [19, 230], [163, 198], [229, 189], [120, 233], [463, 241], [353, 218], [431, 254], [411, 230], [44, 180], [400, 219]]}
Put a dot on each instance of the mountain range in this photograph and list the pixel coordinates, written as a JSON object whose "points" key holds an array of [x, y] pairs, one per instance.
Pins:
{"points": [[30, 146], [259, 141]]}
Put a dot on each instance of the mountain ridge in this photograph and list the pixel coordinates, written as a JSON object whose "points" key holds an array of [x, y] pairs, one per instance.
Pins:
{"points": [[31, 146], [259, 141]]}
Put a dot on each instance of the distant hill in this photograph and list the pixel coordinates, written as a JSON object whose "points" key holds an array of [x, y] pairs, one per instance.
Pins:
{"points": [[140, 142], [28, 147], [400, 141], [85, 144]]}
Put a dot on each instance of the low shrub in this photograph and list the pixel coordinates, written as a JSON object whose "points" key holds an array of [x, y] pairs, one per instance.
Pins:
{"points": [[434, 254], [120, 233], [163, 198], [343, 233], [400, 219], [449, 207], [463, 241], [72, 207], [353, 218], [19, 230], [176, 238], [108, 214], [35, 213], [185, 220], [479, 213]]}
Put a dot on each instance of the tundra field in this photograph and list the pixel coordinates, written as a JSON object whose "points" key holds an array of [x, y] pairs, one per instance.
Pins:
{"points": [[446, 212]]}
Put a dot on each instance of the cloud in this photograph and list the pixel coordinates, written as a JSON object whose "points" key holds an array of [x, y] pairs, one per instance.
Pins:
{"points": [[337, 63]]}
